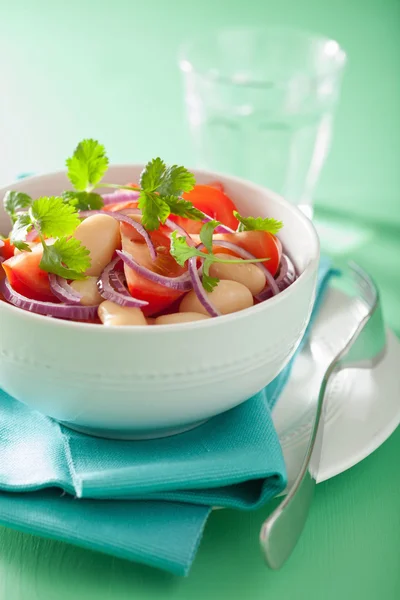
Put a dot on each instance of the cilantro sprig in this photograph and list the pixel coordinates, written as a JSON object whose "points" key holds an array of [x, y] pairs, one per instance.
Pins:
{"points": [[51, 218], [14, 202], [66, 258], [258, 224], [182, 252], [160, 187], [85, 169], [87, 165]]}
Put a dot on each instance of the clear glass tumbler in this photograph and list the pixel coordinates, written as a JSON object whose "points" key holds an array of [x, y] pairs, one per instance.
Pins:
{"points": [[260, 105]]}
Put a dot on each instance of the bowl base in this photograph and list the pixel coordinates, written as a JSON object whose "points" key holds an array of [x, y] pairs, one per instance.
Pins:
{"points": [[131, 434]]}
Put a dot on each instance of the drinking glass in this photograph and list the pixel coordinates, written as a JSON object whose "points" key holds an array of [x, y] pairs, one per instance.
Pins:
{"points": [[260, 105]]}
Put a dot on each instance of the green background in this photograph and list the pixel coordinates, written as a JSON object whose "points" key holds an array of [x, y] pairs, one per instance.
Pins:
{"points": [[108, 70]]}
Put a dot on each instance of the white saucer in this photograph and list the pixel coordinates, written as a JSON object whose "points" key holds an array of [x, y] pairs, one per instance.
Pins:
{"points": [[363, 406]]}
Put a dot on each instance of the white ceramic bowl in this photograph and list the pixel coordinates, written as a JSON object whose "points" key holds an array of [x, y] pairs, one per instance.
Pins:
{"points": [[132, 382]]}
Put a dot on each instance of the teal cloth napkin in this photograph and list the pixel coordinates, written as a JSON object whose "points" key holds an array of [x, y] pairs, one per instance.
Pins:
{"points": [[146, 501]]}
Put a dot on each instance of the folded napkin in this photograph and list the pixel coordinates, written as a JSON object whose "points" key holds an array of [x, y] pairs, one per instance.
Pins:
{"points": [[146, 501]]}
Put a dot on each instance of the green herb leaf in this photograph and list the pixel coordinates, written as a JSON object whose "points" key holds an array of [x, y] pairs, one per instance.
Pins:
{"points": [[152, 175], [171, 181], [209, 283], [206, 234], [52, 217], [160, 191], [175, 181], [87, 165], [15, 202], [258, 224], [154, 210], [83, 200], [183, 208], [66, 258], [180, 249], [22, 225]]}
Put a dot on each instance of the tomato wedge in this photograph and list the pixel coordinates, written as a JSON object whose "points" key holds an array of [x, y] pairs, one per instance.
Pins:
{"points": [[6, 249], [158, 296], [259, 243], [212, 201], [27, 278]]}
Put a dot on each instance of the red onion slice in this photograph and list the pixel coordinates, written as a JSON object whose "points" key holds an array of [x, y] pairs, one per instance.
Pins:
{"points": [[221, 228], [199, 290], [120, 196], [286, 276], [116, 279], [50, 309], [125, 219], [31, 235], [109, 293], [183, 283], [63, 291], [271, 283]]}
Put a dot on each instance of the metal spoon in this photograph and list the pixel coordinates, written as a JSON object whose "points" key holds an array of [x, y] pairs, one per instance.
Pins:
{"points": [[364, 348]]}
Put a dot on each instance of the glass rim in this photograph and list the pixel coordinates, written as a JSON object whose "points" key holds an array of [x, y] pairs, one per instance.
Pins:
{"points": [[187, 65]]}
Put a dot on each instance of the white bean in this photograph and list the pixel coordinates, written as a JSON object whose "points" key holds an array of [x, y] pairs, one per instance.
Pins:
{"points": [[88, 290], [227, 297], [111, 314], [101, 236], [246, 273], [184, 317]]}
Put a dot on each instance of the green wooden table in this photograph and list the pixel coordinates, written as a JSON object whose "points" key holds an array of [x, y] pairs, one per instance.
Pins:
{"points": [[107, 69]]}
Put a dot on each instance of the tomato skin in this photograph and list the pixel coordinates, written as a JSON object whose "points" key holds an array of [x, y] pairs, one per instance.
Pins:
{"points": [[259, 243], [217, 185], [25, 276], [212, 201], [7, 249], [158, 296], [118, 206]]}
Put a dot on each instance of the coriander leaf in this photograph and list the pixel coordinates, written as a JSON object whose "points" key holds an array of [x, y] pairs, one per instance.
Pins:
{"points": [[175, 181], [14, 202], [180, 249], [22, 225], [183, 208], [52, 217], [209, 283], [206, 234], [154, 210], [87, 165], [258, 224], [23, 246], [83, 200], [66, 258], [152, 175], [160, 191]]}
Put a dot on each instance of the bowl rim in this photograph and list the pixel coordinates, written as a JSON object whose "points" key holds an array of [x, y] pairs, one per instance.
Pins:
{"points": [[191, 325]]}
